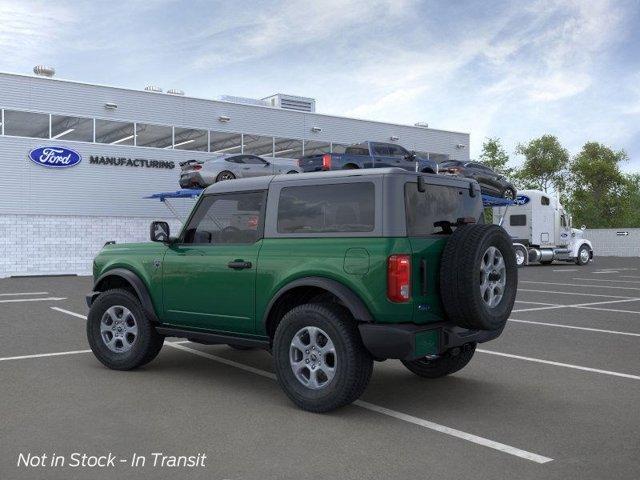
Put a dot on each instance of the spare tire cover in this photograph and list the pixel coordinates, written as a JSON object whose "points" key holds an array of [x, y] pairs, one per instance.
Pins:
{"points": [[478, 277]]}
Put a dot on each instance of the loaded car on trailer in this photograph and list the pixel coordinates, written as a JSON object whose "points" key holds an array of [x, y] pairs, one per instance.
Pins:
{"points": [[329, 272], [541, 230]]}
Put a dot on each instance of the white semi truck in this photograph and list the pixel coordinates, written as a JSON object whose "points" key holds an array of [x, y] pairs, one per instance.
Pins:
{"points": [[541, 230]]}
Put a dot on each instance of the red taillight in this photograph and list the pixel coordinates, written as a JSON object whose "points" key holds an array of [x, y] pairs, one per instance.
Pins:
{"points": [[326, 161], [399, 278], [197, 167]]}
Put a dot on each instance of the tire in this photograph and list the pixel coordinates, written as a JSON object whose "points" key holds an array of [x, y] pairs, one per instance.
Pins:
{"points": [[450, 362], [352, 363], [291, 172], [521, 255], [240, 347], [509, 193], [478, 289], [546, 262], [583, 259], [135, 350], [225, 175], [350, 166]]}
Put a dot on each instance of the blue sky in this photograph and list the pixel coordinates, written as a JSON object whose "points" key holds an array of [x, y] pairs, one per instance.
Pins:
{"points": [[515, 70]]}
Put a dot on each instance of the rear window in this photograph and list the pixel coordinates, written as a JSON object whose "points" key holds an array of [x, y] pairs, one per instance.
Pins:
{"points": [[426, 210], [345, 208], [517, 220]]}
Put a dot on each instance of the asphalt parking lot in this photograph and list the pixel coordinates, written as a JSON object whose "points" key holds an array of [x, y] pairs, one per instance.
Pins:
{"points": [[556, 396]]}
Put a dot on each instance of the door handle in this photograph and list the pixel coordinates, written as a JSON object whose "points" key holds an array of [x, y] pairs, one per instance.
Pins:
{"points": [[239, 264], [246, 168]]}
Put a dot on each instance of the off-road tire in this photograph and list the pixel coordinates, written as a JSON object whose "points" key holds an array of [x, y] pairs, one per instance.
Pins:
{"points": [[450, 362], [460, 277], [353, 364], [147, 344]]}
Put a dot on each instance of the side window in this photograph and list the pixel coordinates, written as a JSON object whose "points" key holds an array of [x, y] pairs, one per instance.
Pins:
{"points": [[238, 159], [544, 200], [563, 221], [381, 150], [517, 220], [253, 160], [327, 208], [226, 219], [355, 151], [397, 151]]}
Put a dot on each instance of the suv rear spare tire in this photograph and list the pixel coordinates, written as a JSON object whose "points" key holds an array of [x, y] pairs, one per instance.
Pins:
{"points": [[478, 277]]}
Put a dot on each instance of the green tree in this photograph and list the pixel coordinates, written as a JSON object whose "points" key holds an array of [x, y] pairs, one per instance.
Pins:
{"points": [[545, 164], [632, 216], [599, 191], [495, 156]]}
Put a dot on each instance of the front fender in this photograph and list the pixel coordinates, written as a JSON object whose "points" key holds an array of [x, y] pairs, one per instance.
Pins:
{"points": [[578, 244]]}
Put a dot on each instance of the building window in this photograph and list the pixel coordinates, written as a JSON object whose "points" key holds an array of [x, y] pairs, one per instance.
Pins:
{"points": [[72, 128], [224, 142], [345, 208], [114, 133], [26, 124], [287, 148], [312, 147], [190, 139], [157, 136], [258, 145]]}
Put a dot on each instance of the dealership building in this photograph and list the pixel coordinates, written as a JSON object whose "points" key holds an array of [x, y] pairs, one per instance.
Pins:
{"points": [[127, 145]]}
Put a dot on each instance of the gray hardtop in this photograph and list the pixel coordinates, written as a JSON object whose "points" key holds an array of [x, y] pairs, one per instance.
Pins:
{"points": [[399, 174]]}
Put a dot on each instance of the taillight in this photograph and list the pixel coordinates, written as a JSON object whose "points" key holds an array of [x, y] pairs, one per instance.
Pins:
{"points": [[197, 167], [326, 161], [399, 278]]}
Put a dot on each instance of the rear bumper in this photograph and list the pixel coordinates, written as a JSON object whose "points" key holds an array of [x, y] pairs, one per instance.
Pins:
{"points": [[191, 179], [407, 341]]}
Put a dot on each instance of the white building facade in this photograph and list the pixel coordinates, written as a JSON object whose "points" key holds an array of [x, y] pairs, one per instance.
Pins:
{"points": [[128, 145]]}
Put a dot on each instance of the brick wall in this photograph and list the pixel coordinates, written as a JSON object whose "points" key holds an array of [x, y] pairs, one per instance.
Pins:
{"points": [[49, 245], [609, 242]]}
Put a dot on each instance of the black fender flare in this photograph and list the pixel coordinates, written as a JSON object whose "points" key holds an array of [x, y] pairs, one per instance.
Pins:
{"points": [[350, 300], [136, 283]]}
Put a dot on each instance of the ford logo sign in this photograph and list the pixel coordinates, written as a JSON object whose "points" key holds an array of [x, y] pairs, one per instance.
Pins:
{"points": [[55, 157], [521, 200]]}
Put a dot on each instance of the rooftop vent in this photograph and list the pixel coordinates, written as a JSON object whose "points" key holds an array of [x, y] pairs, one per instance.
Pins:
{"points": [[153, 88], [292, 102], [422, 124], [175, 91], [44, 71]]}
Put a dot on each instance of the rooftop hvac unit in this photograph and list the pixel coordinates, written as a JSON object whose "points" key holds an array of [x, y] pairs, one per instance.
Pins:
{"points": [[292, 102], [153, 88], [44, 71], [175, 91]]}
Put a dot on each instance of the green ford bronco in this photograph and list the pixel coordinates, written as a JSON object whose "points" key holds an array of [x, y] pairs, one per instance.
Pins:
{"points": [[328, 271]]}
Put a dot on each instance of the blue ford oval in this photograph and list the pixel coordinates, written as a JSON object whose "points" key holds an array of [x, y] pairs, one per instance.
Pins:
{"points": [[55, 157]]}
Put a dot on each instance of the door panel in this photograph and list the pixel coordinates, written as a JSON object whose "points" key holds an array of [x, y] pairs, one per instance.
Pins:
{"points": [[209, 275]]}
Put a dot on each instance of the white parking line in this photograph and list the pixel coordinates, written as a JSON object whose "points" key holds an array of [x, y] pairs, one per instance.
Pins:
{"points": [[41, 355], [47, 299], [391, 413], [23, 293], [539, 303], [587, 329], [567, 270], [605, 272], [559, 364], [606, 280], [369, 406], [581, 285], [629, 276], [68, 312], [608, 309], [575, 293], [580, 305]]}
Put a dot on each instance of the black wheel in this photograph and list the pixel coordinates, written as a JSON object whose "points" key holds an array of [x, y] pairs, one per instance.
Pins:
{"points": [[240, 347], [119, 333], [584, 255], [226, 175], [350, 166], [509, 193], [478, 277], [450, 362], [319, 358]]}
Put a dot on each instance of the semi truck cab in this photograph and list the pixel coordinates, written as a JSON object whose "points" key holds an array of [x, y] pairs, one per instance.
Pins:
{"points": [[542, 231]]}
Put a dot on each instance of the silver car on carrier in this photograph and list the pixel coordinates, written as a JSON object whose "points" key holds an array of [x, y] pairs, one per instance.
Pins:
{"points": [[202, 173]]}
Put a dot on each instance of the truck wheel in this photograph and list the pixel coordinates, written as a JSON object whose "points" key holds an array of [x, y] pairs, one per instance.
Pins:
{"points": [[583, 255], [546, 262], [319, 358], [478, 277], [450, 362], [509, 193], [119, 333], [521, 254]]}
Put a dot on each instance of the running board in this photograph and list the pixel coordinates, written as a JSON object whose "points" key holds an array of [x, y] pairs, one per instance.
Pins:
{"points": [[213, 338]]}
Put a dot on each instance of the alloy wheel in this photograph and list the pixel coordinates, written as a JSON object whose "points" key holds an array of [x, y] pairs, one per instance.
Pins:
{"points": [[312, 356]]}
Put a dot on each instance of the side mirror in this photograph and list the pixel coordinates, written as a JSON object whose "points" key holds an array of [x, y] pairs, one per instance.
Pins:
{"points": [[267, 164], [159, 232]]}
